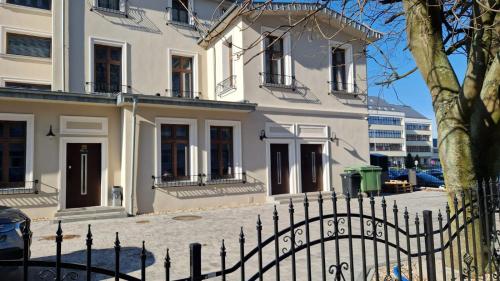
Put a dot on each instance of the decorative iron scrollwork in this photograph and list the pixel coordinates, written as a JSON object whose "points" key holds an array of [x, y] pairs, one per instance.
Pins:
{"points": [[340, 227], [378, 227], [337, 272], [49, 274], [469, 268], [298, 242]]}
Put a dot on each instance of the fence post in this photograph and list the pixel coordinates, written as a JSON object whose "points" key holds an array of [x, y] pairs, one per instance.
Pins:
{"points": [[195, 261], [429, 246]]}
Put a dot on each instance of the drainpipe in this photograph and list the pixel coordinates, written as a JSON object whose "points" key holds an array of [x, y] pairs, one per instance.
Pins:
{"points": [[132, 191]]}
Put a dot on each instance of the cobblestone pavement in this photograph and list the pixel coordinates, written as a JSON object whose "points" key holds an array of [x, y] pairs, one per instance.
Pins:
{"points": [[161, 231]]}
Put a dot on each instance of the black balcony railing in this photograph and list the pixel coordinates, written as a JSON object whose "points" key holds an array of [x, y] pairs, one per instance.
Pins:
{"points": [[104, 88], [19, 187], [167, 181], [183, 94], [226, 85], [343, 88], [273, 80]]}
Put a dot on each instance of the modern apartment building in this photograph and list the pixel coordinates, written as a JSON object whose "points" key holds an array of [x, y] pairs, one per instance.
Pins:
{"points": [[396, 130], [183, 104]]}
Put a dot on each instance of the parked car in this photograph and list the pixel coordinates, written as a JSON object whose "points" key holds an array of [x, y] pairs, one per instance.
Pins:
{"points": [[438, 173], [424, 179], [12, 222]]}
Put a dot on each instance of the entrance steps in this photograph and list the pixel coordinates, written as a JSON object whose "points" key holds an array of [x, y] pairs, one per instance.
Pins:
{"points": [[89, 213], [298, 198]]}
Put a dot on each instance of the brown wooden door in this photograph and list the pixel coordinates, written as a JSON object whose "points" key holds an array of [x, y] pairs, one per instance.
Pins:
{"points": [[280, 170], [83, 175], [311, 159]]}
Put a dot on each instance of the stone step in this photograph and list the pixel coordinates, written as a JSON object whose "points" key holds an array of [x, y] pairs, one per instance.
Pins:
{"points": [[89, 213], [87, 210]]}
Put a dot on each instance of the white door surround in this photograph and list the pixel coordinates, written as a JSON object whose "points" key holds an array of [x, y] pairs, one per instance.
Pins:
{"points": [[63, 141]]}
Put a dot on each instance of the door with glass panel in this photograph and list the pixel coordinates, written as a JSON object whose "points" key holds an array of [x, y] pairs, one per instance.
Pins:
{"points": [[311, 164], [221, 153], [83, 175], [174, 152], [280, 174]]}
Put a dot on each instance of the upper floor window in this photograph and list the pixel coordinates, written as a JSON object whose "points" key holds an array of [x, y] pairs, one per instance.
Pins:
{"points": [[338, 71], [380, 120], [40, 4], [107, 69], [12, 153], [31, 86], [27, 45], [182, 76], [384, 134], [274, 60], [414, 137], [418, 126], [180, 11], [109, 4]]}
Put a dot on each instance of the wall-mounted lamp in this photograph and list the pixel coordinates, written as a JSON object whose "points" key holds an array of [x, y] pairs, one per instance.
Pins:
{"points": [[334, 137], [50, 134], [262, 135]]}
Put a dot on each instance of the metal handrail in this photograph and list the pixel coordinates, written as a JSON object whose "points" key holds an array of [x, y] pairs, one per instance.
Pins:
{"points": [[343, 88], [277, 80], [226, 85], [183, 94]]}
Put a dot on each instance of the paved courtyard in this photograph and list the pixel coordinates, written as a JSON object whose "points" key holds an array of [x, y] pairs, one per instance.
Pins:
{"points": [[209, 227]]}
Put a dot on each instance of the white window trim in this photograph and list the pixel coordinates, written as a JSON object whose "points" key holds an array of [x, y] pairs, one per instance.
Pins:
{"points": [[5, 79], [83, 119], [30, 134], [292, 163], [190, 11], [123, 6], [349, 61], [175, 52], [237, 149], [63, 141], [3, 43], [287, 50], [325, 160], [193, 143], [112, 43]]}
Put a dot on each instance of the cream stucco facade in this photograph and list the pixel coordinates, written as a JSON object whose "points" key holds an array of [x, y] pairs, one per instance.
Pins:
{"points": [[128, 125]]}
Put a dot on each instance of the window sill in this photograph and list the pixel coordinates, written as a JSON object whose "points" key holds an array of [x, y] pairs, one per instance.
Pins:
{"points": [[279, 86], [226, 92], [26, 58], [181, 24], [20, 8], [109, 11]]}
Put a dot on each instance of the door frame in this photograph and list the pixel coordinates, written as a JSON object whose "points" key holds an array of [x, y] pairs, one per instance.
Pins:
{"points": [[325, 160], [291, 163], [63, 141]]}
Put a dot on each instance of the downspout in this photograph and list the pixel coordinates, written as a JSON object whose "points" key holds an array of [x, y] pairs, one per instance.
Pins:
{"points": [[133, 185], [63, 51]]}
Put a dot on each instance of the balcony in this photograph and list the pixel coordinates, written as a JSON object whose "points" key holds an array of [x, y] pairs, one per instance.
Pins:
{"points": [[271, 80], [226, 85], [182, 94], [336, 88], [104, 88]]}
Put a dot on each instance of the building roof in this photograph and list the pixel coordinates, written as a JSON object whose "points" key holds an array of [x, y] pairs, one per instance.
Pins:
{"points": [[377, 103], [371, 34]]}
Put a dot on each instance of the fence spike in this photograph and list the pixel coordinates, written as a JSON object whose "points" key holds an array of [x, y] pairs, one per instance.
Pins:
{"points": [[348, 196], [275, 212], [334, 195], [406, 213], [59, 231], [320, 197], [290, 206], [117, 241], [143, 261], [259, 223], [89, 236], [383, 202], [242, 235], [395, 207]]}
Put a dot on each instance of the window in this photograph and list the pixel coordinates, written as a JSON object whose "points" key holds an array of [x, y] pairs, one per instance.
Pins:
{"points": [[30, 86], [221, 152], [413, 137], [180, 11], [27, 45], [418, 126], [40, 4], [379, 120], [384, 134], [109, 4], [274, 60], [418, 148], [182, 76], [107, 69], [338, 65], [12, 154], [386, 147], [174, 152]]}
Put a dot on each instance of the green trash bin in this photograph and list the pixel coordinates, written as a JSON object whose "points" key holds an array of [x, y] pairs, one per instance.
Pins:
{"points": [[370, 177]]}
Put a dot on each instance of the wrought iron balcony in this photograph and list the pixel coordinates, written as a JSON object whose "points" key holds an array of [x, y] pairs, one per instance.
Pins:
{"points": [[233, 178], [272, 80], [343, 88], [183, 94], [226, 85], [104, 88], [177, 181], [19, 187]]}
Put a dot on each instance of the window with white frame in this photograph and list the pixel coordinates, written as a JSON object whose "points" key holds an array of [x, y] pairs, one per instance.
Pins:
{"points": [[176, 149], [28, 45], [224, 150], [182, 74], [180, 12], [115, 6], [277, 69], [39, 4], [341, 68]]}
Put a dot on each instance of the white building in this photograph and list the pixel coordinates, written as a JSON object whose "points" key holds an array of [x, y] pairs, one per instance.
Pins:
{"points": [[399, 130]]}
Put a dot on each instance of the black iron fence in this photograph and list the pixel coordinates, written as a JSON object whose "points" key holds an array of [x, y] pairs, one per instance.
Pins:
{"points": [[464, 246], [24, 187], [166, 181]]}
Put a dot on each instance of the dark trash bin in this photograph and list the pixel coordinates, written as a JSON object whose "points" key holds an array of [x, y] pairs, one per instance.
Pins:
{"points": [[351, 183]]}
